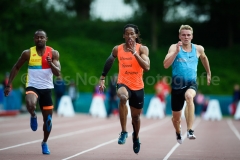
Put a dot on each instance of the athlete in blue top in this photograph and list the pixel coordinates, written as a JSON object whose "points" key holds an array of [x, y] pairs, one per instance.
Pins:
{"points": [[183, 57]]}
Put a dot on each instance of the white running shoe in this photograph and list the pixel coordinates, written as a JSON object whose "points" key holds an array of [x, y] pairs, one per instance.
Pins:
{"points": [[190, 134]]}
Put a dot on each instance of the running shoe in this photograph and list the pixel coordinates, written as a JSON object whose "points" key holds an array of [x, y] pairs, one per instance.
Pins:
{"points": [[190, 134], [45, 149], [136, 144], [122, 138], [33, 123], [179, 138]]}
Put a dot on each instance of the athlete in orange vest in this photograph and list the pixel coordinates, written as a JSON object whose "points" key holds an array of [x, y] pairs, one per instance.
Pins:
{"points": [[133, 60], [43, 63]]}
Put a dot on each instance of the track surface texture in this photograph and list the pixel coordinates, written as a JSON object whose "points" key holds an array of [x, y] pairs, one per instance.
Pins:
{"points": [[84, 137]]}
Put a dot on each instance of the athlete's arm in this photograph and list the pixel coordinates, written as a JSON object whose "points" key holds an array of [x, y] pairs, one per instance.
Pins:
{"points": [[205, 62], [171, 55], [109, 62], [54, 63], [143, 58], [21, 60], [107, 66]]}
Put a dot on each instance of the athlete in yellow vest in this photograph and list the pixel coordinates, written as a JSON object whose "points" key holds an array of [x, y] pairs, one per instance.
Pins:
{"points": [[133, 60], [43, 63]]}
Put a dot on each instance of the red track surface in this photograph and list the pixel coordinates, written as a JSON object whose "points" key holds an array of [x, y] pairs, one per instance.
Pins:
{"points": [[87, 138]]}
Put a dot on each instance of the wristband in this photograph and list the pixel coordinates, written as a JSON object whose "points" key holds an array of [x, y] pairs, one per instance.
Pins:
{"points": [[135, 53]]}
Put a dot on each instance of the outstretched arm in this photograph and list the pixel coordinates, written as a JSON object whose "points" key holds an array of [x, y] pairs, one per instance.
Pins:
{"points": [[107, 66], [22, 59], [54, 63], [205, 62]]}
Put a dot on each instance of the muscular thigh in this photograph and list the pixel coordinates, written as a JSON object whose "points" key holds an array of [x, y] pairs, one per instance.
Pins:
{"points": [[177, 99], [137, 99], [45, 98], [31, 96], [123, 90]]}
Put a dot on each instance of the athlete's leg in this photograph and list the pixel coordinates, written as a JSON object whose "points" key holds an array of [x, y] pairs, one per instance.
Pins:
{"points": [[46, 105], [123, 110], [189, 110], [31, 102], [135, 113], [47, 121], [177, 102], [176, 120]]}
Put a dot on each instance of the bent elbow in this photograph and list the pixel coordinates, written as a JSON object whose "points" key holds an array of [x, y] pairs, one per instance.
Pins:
{"points": [[147, 69], [165, 65]]}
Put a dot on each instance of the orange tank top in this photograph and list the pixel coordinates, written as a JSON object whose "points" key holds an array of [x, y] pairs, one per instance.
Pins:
{"points": [[130, 72]]}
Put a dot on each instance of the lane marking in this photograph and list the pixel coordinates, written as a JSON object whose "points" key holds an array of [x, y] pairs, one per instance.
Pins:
{"points": [[177, 144], [65, 135], [55, 126], [233, 128], [153, 126], [12, 120]]}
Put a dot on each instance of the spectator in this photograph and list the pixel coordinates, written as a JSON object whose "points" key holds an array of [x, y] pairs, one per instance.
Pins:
{"points": [[236, 98], [59, 89], [73, 92], [204, 106], [199, 101], [113, 99], [162, 89]]}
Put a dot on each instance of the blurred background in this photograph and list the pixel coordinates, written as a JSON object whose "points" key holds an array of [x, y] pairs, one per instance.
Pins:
{"points": [[85, 31]]}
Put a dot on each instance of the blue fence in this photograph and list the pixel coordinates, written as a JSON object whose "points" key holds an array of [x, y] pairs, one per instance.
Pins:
{"points": [[83, 103], [12, 102]]}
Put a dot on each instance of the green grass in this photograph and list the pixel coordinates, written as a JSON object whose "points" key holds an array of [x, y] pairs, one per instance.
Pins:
{"points": [[82, 59]]}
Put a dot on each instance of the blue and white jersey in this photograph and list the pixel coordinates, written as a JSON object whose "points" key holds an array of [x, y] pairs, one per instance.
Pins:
{"points": [[184, 68]]}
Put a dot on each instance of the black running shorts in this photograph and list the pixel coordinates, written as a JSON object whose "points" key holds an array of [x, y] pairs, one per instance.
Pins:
{"points": [[136, 98], [178, 97], [44, 96]]}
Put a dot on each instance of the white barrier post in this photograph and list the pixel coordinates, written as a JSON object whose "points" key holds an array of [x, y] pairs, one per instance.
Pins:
{"points": [[213, 111], [97, 107], [237, 113], [155, 108], [129, 110], [183, 110], [65, 107]]}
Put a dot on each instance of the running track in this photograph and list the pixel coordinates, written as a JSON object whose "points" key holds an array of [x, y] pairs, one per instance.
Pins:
{"points": [[83, 137]]}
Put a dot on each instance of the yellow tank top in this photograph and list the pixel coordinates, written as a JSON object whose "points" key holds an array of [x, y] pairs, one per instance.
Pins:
{"points": [[130, 72]]}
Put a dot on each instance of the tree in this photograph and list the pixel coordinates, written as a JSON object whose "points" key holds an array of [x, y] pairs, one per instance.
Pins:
{"points": [[155, 10], [81, 7], [224, 16]]}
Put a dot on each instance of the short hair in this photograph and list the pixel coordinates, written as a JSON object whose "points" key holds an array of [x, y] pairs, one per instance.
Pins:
{"points": [[40, 30], [135, 27], [185, 27]]}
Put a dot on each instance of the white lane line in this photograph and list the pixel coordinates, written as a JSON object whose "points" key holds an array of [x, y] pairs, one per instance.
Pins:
{"points": [[177, 144], [65, 135], [233, 128], [153, 126], [55, 126], [13, 121]]}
